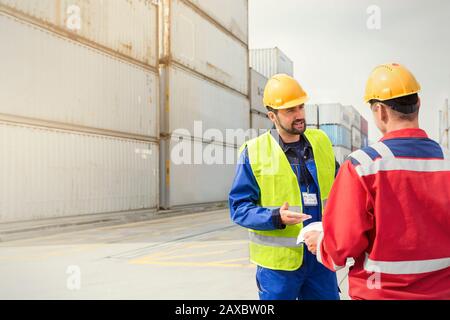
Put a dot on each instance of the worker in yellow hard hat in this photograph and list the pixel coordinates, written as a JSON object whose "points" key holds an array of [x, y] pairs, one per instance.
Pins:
{"points": [[389, 207], [282, 183]]}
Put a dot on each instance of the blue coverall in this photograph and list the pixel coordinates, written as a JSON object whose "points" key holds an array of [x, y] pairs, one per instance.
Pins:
{"points": [[312, 281]]}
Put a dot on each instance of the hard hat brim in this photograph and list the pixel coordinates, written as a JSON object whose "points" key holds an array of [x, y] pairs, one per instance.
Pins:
{"points": [[293, 103], [368, 98]]}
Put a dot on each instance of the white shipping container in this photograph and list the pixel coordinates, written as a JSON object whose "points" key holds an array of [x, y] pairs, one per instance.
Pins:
{"points": [[341, 154], [198, 44], [47, 77], [232, 15], [257, 85], [312, 115], [50, 173], [196, 105], [364, 141], [261, 122], [364, 127], [271, 61], [128, 27], [355, 117], [334, 113], [185, 182], [356, 138]]}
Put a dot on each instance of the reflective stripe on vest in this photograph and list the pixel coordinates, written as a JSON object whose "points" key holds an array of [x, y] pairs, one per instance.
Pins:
{"points": [[273, 241], [278, 184]]}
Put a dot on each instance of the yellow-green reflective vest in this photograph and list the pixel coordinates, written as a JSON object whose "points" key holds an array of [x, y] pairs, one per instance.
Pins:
{"points": [[278, 183]]}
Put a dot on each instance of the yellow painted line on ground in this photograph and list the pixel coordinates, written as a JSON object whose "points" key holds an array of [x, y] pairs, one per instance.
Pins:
{"points": [[174, 248], [221, 243], [203, 254], [191, 245], [229, 260], [160, 219]]}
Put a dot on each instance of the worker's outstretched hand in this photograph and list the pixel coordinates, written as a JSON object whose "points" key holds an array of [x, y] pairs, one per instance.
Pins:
{"points": [[291, 217]]}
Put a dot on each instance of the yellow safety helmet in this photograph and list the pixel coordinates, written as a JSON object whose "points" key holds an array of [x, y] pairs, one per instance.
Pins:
{"points": [[283, 92], [389, 81]]}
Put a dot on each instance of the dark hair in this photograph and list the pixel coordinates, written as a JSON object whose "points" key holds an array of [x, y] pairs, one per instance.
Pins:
{"points": [[404, 108], [271, 110]]}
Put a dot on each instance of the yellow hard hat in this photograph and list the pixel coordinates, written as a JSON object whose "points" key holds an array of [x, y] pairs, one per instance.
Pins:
{"points": [[389, 81], [283, 92]]}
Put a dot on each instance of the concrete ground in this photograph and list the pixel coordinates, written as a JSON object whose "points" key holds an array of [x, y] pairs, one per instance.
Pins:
{"points": [[194, 256]]}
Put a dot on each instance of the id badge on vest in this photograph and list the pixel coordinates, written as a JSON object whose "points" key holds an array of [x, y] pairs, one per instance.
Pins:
{"points": [[310, 199]]}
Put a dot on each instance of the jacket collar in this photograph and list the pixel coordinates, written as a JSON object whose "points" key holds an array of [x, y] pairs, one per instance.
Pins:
{"points": [[405, 133], [283, 145]]}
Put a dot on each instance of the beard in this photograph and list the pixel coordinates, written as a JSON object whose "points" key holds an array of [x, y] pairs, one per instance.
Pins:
{"points": [[297, 127]]}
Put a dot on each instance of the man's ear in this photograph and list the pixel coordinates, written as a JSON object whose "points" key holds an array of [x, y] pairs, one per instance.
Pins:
{"points": [[384, 114], [419, 103], [271, 116]]}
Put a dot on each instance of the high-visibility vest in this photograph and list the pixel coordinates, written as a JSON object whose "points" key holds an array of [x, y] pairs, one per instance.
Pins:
{"points": [[278, 183]]}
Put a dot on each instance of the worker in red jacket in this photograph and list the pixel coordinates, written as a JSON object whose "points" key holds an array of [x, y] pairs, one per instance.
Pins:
{"points": [[389, 208]]}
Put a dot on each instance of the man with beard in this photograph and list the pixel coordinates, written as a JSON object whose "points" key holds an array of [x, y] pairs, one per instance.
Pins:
{"points": [[282, 183]]}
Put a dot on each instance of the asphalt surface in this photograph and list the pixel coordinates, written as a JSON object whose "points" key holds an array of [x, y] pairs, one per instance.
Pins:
{"points": [[192, 256]]}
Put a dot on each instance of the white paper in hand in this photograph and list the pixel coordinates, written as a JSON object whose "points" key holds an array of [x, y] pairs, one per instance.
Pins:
{"points": [[315, 226]]}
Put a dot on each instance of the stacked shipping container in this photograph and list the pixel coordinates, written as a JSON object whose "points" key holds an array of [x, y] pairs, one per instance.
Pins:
{"points": [[355, 128], [259, 119], [204, 85], [271, 61], [78, 108], [346, 128], [312, 116], [335, 120], [364, 133]]}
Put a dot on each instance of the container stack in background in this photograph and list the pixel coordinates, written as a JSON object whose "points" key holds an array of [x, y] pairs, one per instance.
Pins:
{"points": [[258, 116], [271, 61], [78, 108], [204, 71], [312, 116], [364, 132], [344, 125], [355, 118], [264, 63], [336, 121]]}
